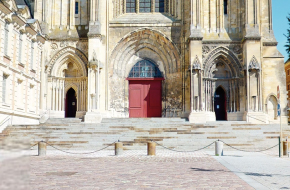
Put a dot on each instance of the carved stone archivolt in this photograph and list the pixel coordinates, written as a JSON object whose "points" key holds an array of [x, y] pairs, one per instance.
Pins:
{"points": [[152, 40], [66, 53], [223, 54]]}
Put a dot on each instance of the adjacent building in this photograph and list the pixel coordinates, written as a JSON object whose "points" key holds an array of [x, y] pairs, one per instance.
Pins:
{"points": [[287, 71], [21, 47]]}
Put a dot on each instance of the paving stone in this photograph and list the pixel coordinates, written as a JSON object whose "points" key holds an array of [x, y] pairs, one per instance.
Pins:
{"points": [[133, 170]]}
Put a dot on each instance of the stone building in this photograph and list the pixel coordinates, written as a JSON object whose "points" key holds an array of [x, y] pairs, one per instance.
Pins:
{"points": [[287, 71], [205, 60], [20, 64]]}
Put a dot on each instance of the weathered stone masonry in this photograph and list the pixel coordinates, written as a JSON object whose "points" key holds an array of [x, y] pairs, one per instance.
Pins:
{"points": [[218, 58]]}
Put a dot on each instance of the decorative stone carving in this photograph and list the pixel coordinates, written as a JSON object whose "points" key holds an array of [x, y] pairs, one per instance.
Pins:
{"points": [[205, 49], [254, 65], [54, 47], [196, 64], [237, 49], [95, 63]]}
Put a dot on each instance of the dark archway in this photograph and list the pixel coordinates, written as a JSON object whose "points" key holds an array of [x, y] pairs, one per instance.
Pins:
{"points": [[70, 103], [220, 104]]}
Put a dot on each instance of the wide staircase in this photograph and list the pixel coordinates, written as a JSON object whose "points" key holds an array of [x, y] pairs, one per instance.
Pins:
{"points": [[71, 134]]}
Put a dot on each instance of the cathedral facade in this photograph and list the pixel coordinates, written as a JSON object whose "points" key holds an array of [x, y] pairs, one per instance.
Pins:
{"points": [[205, 60]]}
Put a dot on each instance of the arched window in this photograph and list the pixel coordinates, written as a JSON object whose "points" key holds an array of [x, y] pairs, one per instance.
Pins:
{"points": [[225, 7], [159, 6], [145, 69]]}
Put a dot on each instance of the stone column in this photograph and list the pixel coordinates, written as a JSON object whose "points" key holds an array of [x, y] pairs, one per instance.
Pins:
{"points": [[72, 14], [63, 96], [56, 95], [53, 96], [192, 96]]}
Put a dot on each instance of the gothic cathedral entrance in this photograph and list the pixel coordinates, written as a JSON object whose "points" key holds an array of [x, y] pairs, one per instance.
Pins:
{"points": [[220, 104], [145, 90], [70, 103]]}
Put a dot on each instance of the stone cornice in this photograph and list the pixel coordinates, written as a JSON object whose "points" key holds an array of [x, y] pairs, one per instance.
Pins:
{"points": [[197, 38], [270, 43], [15, 18], [221, 42], [252, 38], [92, 36]]}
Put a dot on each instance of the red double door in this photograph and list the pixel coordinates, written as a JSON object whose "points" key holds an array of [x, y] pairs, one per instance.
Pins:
{"points": [[145, 98]]}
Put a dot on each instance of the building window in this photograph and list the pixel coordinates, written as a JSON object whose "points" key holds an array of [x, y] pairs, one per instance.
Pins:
{"points": [[20, 49], [145, 69], [6, 36], [32, 55], [159, 6], [288, 72], [225, 7], [145, 6], [20, 96], [32, 97], [4, 84], [130, 6], [77, 8]]}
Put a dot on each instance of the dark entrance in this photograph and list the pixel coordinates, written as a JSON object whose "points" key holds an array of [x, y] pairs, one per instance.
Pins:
{"points": [[70, 103], [145, 90], [220, 104]]}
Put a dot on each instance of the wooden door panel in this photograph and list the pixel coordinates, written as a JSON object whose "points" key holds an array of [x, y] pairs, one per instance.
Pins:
{"points": [[145, 98], [155, 98], [154, 106], [135, 100]]}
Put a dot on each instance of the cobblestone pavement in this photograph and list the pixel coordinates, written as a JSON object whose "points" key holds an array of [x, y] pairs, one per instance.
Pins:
{"points": [[133, 170]]}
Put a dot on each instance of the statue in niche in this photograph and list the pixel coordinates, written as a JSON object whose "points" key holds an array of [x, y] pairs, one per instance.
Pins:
{"points": [[254, 65]]}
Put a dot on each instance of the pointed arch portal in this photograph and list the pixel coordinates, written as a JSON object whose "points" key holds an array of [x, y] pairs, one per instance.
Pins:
{"points": [[67, 83]]}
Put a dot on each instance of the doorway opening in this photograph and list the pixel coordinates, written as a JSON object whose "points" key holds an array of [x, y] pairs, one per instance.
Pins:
{"points": [[70, 103], [220, 104], [145, 90]]}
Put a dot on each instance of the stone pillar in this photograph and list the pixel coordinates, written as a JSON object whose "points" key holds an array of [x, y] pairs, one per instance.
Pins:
{"points": [[63, 96], [195, 58], [118, 148], [151, 149], [53, 96], [219, 148], [41, 149]]}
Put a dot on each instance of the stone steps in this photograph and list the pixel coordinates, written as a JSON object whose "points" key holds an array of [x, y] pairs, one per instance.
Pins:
{"points": [[72, 134]]}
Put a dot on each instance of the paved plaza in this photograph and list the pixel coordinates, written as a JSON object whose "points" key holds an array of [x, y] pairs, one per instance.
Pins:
{"points": [[135, 170]]}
